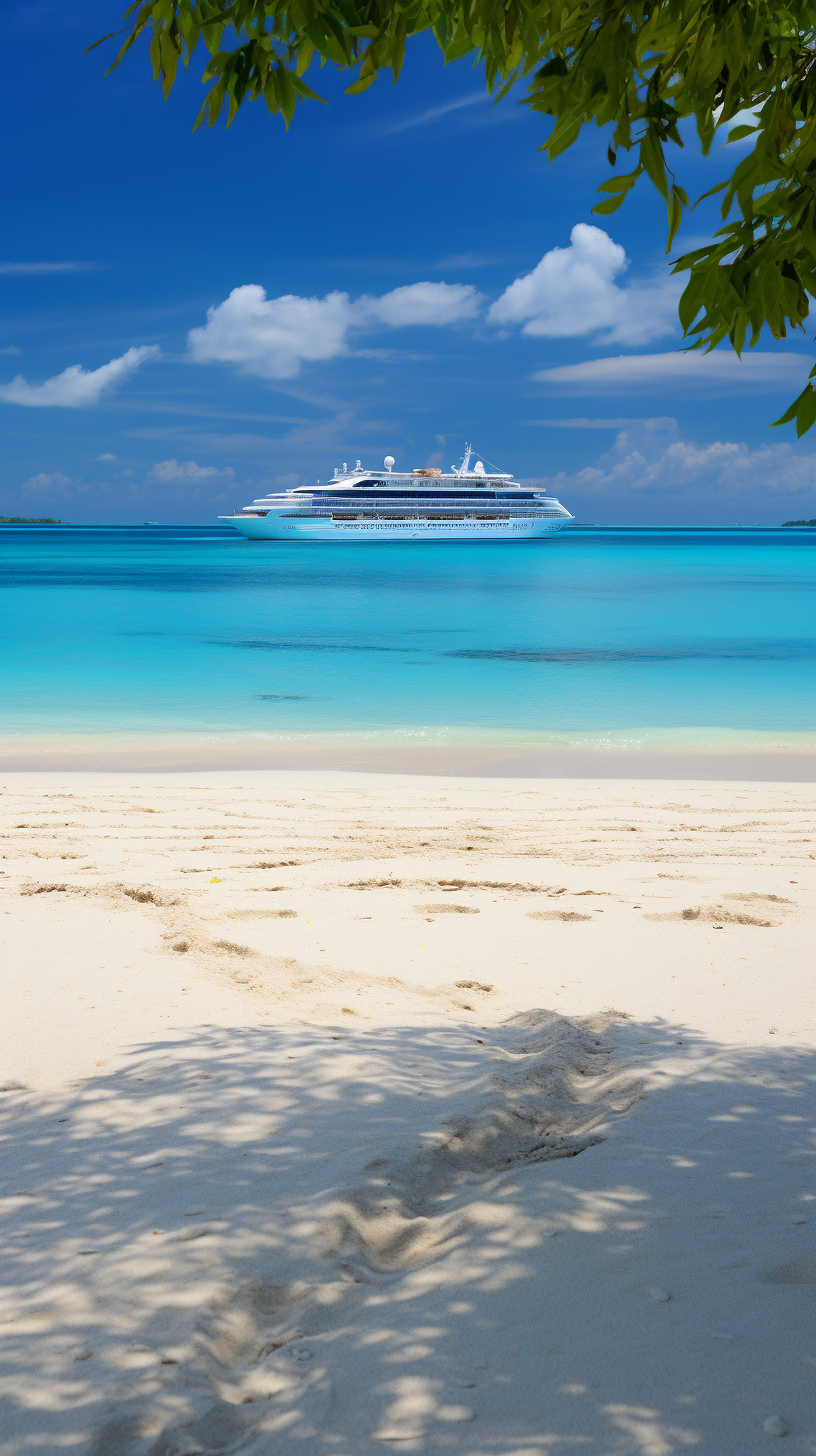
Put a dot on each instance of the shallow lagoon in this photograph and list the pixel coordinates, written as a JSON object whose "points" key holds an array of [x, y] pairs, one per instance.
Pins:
{"points": [[595, 635]]}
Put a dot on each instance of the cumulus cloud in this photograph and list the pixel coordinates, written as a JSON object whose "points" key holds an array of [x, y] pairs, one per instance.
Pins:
{"points": [[573, 292], [723, 467], [438, 304], [722, 367], [106, 456], [640, 464], [75, 387], [272, 337], [171, 470], [54, 483]]}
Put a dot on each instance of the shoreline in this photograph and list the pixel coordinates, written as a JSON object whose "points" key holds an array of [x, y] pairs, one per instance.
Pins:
{"points": [[447, 759]]}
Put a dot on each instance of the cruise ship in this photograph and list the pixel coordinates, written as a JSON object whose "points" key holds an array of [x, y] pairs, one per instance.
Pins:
{"points": [[420, 505]]}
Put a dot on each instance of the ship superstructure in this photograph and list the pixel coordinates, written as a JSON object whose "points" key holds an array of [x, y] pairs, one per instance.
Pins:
{"points": [[418, 505]]}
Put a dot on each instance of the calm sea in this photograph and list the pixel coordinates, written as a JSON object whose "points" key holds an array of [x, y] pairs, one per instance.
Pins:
{"points": [[595, 636]]}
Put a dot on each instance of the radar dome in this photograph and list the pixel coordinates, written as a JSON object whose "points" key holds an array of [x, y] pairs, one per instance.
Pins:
{"points": [[388, 461]]}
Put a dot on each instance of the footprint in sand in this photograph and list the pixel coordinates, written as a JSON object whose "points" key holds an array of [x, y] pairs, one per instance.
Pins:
{"points": [[775, 1426], [711, 915], [775, 899], [556, 915], [371, 885], [447, 909], [262, 914], [527, 889], [794, 1271]]}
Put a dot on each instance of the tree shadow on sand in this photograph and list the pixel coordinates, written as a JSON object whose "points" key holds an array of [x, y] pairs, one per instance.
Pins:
{"points": [[325, 1240]]}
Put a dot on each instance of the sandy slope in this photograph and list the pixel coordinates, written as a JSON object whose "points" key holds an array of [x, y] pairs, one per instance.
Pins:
{"points": [[351, 1110]]}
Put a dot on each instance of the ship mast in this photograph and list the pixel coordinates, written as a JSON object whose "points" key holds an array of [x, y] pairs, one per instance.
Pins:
{"points": [[465, 462]]}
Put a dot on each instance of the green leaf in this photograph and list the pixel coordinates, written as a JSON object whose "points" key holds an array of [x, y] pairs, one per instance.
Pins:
{"points": [[92, 47], [361, 85], [304, 58], [675, 217], [806, 413], [306, 92], [620, 184], [651, 160], [693, 299], [803, 410]]}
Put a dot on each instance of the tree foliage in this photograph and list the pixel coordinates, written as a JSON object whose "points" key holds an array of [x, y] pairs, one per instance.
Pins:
{"points": [[639, 67]]}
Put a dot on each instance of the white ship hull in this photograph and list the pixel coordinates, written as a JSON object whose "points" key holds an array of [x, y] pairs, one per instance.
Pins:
{"points": [[418, 505], [272, 528]]}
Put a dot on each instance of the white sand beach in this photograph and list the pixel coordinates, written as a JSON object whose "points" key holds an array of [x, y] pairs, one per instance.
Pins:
{"points": [[355, 1111]]}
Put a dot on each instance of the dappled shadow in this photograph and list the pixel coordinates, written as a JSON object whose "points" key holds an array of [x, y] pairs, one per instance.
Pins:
{"points": [[318, 1240]]}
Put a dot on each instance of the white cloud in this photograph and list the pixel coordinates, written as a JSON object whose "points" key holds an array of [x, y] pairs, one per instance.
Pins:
{"points": [[54, 483], [726, 467], [106, 456], [639, 464], [437, 304], [46, 267], [272, 337], [722, 367], [656, 422], [10, 349], [572, 292], [424, 118], [77, 388], [171, 470]]}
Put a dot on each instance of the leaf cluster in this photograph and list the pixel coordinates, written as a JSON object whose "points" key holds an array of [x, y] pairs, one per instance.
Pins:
{"points": [[740, 68]]}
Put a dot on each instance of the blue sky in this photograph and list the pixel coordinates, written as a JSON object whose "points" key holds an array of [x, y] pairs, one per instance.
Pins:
{"points": [[398, 273]]}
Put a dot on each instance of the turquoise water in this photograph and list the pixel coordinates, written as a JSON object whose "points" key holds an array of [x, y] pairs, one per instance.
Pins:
{"points": [[189, 630]]}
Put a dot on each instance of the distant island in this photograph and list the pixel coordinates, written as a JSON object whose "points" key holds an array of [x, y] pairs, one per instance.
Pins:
{"points": [[49, 521], [799, 523]]}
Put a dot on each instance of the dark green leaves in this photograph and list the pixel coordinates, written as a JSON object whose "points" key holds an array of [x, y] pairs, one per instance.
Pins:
{"points": [[635, 67], [803, 409]]}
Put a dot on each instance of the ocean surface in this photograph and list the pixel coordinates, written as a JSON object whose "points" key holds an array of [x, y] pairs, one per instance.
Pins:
{"points": [[596, 636]]}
